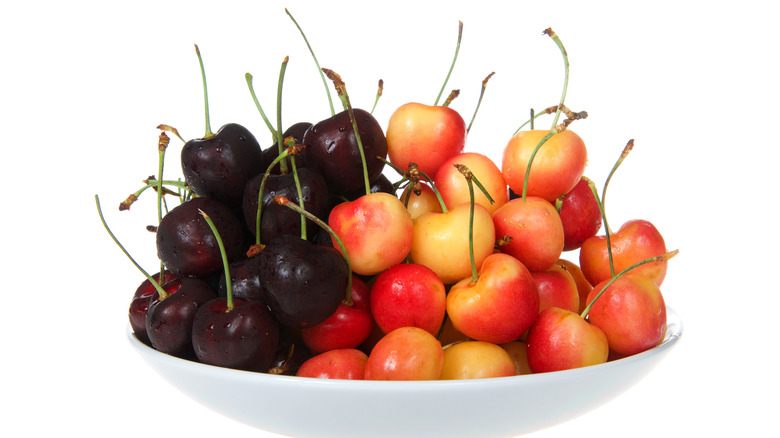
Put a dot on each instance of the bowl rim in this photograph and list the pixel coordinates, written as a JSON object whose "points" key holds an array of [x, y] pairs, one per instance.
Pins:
{"points": [[673, 334]]}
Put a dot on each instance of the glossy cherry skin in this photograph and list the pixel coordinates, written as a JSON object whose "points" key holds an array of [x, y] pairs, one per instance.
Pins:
{"points": [[219, 166], [562, 340], [580, 216], [139, 305], [347, 363], [187, 246], [169, 321], [331, 149], [303, 283], [277, 219], [244, 279], [244, 337], [348, 327], [270, 153]]}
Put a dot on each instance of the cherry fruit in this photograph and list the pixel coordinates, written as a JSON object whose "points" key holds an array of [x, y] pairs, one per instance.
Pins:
{"points": [[186, 244]]}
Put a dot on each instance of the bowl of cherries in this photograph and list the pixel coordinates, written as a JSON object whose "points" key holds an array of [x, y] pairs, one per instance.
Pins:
{"points": [[382, 280]]}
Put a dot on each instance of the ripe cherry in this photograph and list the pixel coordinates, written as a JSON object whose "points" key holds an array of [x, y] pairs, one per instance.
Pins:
{"points": [[219, 165]]}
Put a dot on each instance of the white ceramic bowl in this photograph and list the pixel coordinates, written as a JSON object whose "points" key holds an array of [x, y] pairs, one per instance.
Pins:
{"points": [[485, 408]]}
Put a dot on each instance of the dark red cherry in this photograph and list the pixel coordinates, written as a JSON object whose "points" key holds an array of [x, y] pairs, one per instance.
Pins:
{"points": [[244, 280], [219, 166], [290, 353], [278, 219], [381, 184], [270, 153], [187, 246], [139, 305], [169, 320], [303, 284], [244, 337], [332, 150]]}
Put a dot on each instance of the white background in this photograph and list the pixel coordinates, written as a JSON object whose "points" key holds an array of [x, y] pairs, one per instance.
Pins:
{"points": [[84, 84]]}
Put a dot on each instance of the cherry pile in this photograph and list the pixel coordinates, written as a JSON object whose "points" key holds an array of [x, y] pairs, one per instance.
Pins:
{"points": [[304, 258]]}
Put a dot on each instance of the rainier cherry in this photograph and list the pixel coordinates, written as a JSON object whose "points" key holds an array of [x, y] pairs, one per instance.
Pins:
{"points": [[406, 353]]}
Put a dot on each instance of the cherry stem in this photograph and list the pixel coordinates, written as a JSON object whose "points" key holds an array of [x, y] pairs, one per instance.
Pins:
{"points": [[479, 102], [169, 128], [341, 90], [380, 88], [531, 160], [469, 176], [558, 42], [435, 191], [626, 150], [225, 264], [208, 133], [152, 183], [606, 225], [279, 132], [661, 258], [290, 142], [280, 158], [154, 283], [453, 95], [249, 79], [324, 82], [162, 145], [452, 66], [281, 200], [531, 119]]}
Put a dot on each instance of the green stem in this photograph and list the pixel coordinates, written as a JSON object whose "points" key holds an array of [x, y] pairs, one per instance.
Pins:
{"points": [[600, 204], [208, 133], [154, 283], [281, 200], [341, 90], [249, 79], [435, 191], [259, 213], [452, 66], [379, 89], [558, 42], [279, 132], [300, 195], [225, 264], [162, 145], [322, 75], [479, 102], [626, 150], [661, 258], [531, 160]]}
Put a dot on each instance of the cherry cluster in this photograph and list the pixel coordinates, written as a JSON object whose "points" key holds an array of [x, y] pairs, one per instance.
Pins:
{"points": [[304, 258]]}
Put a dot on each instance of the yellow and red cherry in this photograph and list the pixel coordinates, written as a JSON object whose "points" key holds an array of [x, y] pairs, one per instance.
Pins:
{"points": [[636, 240], [583, 285], [557, 288], [346, 363], [557, 166], [631, 312], [408, 295], [424, 134], [580, 215], [441, 241], [425, 202], [454, 188], [406, 353], [518, 351], [562, 340], [476, 360], [535, 229], [348, 327], [376, 229], [500, 306]]}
